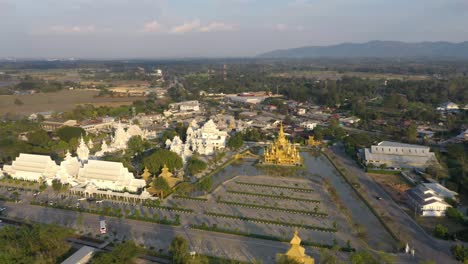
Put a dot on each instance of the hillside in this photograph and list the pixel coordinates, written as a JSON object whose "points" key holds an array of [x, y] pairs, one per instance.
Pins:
{"points": [[376, 49]]}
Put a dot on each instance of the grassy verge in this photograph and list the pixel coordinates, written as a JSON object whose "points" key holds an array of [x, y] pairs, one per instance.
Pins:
{"points": [[189, 198], [265, 237], [294, 211], [274, 196], [298, 189], [273, 222]]}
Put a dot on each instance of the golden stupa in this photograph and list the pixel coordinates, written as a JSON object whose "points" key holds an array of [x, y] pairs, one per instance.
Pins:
{"points": [[282, 152], [296, 252], [312, 142], [168, 176], [146, 175]]}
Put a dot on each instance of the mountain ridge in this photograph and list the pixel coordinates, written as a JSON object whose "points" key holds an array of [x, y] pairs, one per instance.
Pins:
{"points": [[377, 49]]}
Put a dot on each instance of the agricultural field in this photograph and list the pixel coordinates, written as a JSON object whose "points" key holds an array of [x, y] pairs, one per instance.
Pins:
{"points": [[58, 101]]}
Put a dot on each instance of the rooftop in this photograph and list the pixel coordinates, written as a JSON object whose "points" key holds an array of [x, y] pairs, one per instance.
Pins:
{"points": [[398, 144]]}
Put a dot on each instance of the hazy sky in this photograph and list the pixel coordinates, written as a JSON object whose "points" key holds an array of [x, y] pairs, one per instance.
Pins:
{"points": [[176, 28]]}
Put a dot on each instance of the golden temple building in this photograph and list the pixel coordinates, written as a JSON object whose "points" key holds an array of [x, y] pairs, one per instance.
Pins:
{"points": [[146, 175], [296, 252], [168, 176], [312, 142], [282, 152]]}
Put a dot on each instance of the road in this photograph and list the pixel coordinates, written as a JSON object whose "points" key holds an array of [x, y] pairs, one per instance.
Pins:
{"points": [[150, 234], [426, 246]]}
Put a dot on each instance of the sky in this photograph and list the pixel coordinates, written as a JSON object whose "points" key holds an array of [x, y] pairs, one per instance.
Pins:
{"points": [[216, 28]]}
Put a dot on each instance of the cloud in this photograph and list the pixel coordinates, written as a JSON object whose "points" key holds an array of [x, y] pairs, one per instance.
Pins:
{"points": [[187, 27], [72, 29], [217, 26], [152, 26]]}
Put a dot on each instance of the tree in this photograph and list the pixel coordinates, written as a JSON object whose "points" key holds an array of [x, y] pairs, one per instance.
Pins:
{"points": [[159, 183], [235, 142], [179, 250], [120, 254], [156, 161], [460, 252], [135, 145], [437, 171], [66, 133], [412, 133], [39, 138], [18, 102], [441, 231], [195, 165], [33, 244], [57, 185], [206, 184], [362, 257]]}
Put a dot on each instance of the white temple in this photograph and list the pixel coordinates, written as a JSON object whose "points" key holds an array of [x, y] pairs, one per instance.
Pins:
{"points": [[82, 151], [121, 137], [105, 175], [204, 140]]}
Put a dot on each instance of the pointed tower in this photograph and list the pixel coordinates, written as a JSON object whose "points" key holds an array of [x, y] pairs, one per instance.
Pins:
{"points": [[146, 174], [296, 252], [90, 144], [82, 151]]}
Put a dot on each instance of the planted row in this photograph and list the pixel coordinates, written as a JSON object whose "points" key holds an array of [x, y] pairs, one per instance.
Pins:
{"points": [[190, 198], [84, 210], [163, 221], [274, 196], [169, 208], [294, 211], [273, 222], [298, 189], [266, 237]]}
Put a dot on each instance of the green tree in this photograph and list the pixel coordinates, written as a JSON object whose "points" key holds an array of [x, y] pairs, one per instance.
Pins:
{"points": [[412, 133], [235, 142], [135, 145], [57, 185], [195, 165], [159, 183], [363, 257], [66, 133], [206, 184], [121, 254], [179, 250], [39, 138], [18, 102], [156, 161], [440, 231]]}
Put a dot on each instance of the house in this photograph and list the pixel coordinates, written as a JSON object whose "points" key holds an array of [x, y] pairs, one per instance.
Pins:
{"points": [[441, 190], [426, 202], [398, 155], [309, 125], [448, 107], [186, 106]]}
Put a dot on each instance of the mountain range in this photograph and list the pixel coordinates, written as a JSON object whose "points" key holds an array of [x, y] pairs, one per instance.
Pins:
{"points": [[376, 49]]}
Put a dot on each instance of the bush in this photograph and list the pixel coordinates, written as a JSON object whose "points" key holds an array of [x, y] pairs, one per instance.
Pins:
{"points": [[453, 213], [441, 231], [460, 252]]}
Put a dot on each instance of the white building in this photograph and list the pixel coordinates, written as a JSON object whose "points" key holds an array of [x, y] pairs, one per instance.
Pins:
{"points": [[186, 106], [204, 140], [448, 107], [32, 167], [399, 155], [82, 151], [105, 175], [308, 125], [426, 202], [207, 139], [441, 190], [109, 175]]}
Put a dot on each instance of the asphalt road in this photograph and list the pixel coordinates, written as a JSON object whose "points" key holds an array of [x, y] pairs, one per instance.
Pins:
{"points": [[150, 234], [426, 246]]}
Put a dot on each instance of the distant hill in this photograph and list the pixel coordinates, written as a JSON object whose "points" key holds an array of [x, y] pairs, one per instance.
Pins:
{"points": [[376, 49]]}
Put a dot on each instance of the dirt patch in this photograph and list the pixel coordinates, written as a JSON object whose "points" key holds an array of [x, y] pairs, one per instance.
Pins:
{"points": [[394, 185]]}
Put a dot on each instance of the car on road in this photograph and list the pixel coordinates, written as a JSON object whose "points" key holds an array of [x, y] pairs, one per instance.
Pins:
{"points": [[100, 201], [2, 209], [103, 228], [81, 199], [378, 198], [10, 189], [51, 203]]}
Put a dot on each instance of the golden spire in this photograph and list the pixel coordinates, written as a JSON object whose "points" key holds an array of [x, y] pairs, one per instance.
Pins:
{"points": [[146, 174]]}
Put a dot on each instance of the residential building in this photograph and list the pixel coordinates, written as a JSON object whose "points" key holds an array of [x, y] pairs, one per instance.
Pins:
{"points": [[448, 107], [426, 202]]}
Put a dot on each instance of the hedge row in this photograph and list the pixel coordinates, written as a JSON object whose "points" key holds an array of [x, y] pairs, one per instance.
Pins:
{"points": [[84, 210], [189, 198], [266, 237], [263, 221], [153, 220], [274, 196], [182, 210], [294, 211], [298, 189]]}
